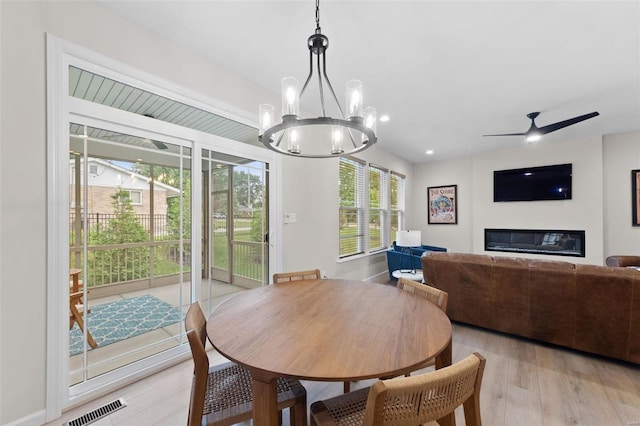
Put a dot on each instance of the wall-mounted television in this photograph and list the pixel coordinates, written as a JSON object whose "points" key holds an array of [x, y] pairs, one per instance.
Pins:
{"points": [[533, 183]]}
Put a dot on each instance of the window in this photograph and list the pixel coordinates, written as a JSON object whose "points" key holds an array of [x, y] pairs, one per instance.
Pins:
{"points": [[367, 219], [135, 197], [351, 221], [378, 202], [396, 205]]}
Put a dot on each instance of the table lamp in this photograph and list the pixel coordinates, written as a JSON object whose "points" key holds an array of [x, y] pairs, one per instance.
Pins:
{"points": [[406, 240]]}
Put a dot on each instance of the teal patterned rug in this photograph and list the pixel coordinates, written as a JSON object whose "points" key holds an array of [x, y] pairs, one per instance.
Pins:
{"points": [[115, 321]]}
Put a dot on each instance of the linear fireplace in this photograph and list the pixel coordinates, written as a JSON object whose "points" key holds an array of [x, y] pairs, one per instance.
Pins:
{"points": [[534, 241]]}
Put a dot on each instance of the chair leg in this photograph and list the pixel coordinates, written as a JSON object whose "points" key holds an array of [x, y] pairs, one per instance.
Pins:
{"points": [[79, 319], [347, 387], [90, 339], [298, 414], [472, 410]]}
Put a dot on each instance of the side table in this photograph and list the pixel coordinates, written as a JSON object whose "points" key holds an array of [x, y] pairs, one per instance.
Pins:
{"points": [[417, 276]]}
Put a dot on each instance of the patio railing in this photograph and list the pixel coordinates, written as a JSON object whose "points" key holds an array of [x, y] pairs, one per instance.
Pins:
{"points": [[98, 221], [115, 264]]}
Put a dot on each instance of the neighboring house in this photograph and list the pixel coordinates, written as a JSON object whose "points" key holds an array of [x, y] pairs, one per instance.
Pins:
{"points": [[104, 179]]}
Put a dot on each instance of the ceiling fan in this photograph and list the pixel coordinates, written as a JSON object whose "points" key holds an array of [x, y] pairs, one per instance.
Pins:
{"points": [[535, 133]]}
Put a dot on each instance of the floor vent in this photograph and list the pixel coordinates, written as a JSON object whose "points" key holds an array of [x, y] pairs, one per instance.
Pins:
{"points": [[98, 413]]}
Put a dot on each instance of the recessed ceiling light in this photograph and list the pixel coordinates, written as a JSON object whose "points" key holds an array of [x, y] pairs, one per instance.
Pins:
{"points": [[384, 118], [430, 152]]}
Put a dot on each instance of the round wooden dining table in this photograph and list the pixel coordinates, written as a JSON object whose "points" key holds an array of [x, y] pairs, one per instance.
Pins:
{"points": [[326, 330]]}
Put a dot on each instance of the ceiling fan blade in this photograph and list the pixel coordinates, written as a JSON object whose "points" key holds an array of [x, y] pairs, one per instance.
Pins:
{"points": [[562, 124], [508, 134]]}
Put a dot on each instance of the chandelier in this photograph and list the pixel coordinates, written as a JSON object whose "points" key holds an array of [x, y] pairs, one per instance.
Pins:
{"points": [[323, 136]]}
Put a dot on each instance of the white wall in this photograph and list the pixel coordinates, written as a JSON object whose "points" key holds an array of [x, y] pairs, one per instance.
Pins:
{"points": [[582, 212], [309, 187], [601, 203], [457, 238], [23, 143], [621, 155]]}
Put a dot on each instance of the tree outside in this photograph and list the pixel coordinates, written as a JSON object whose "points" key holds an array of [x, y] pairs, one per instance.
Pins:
{"points": [[123, 264]]}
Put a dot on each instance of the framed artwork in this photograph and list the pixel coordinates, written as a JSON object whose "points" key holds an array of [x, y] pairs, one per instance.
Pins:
{"points": [[635, 197], [443, 204]]}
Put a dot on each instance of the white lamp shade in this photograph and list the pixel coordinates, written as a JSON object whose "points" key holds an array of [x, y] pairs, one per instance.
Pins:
{"points": [[408, 238]]}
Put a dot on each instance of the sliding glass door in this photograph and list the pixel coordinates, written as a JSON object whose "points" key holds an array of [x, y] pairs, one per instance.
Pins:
{"points": [[235, 225], [155, 201], [129, 246]]}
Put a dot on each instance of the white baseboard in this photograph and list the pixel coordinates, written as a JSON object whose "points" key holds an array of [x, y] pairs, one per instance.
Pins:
{"points": [[382, 277], [35, 419]]}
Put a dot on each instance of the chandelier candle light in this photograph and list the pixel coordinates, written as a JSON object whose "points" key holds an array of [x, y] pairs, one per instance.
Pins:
{"points": [[355, 131]]}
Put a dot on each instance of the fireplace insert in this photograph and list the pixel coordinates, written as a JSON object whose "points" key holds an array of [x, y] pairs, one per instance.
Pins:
{"points": [[534, 241]]}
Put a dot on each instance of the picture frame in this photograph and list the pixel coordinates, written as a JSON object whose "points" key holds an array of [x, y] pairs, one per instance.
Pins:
{"points": [[443, 204], [635, 197]]}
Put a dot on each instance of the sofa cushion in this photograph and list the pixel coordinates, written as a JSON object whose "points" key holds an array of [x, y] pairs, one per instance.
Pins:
{"points": [[634, 328], [510, 295], [467, 279], [552, 297], [603, 309]]}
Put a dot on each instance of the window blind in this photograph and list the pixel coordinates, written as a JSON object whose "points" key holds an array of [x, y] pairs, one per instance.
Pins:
{"points": [[378, 202], [396, 208], [351, 207]]}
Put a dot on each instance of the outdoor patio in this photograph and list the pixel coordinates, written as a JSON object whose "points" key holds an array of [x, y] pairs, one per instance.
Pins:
{"points": [[130, 349]]}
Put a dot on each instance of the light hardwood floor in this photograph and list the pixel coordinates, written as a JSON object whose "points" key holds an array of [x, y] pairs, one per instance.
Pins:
{"points": [[525, 383]]}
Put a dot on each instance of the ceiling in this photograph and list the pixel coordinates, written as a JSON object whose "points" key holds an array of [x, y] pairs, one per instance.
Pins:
{"points": [[445, 72]]}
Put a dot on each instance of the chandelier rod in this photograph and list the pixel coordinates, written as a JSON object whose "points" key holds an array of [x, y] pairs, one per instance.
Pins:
{"points": [[324, 113], [272, 136], [326, 77], [318, 17], [317, 46]]}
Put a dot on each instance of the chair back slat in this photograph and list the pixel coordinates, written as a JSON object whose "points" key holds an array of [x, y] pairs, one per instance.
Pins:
{"points": [[195, 325], [283, 277], [432, 294], [409, 401]]}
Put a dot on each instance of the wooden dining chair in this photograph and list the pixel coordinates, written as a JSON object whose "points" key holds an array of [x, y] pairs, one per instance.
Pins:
{"points": [[433, 295], [76, 315], [409, 401], [222, 394], [314, 274], [284, 277]]}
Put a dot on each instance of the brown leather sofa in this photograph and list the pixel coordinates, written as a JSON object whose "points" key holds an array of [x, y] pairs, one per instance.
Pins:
{"points": [[623, 261], [591, 308]]}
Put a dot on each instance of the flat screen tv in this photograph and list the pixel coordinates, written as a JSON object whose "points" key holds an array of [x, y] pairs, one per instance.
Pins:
{"points": [[533, 183]]}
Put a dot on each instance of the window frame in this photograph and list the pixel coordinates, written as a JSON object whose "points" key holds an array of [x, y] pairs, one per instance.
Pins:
{"points": [[133, 202], [399, 209], [356, 208], [385, 209], [383, 206]]}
